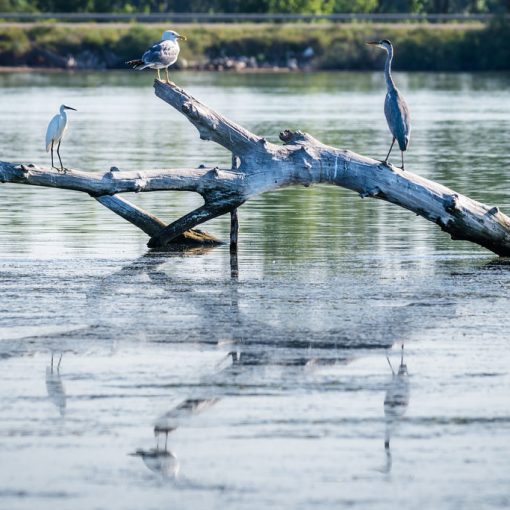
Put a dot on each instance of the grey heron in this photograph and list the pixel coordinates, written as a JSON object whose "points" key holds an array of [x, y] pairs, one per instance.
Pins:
{"points": [[55, 132], [395, 107], [161, 55]]}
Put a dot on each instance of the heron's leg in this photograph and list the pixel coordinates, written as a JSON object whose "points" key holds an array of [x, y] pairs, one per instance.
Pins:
{"points": [[402, 152], [59, 158], [389, 152]]}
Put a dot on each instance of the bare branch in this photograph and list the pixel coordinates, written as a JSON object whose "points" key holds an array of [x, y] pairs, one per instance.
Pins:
{"points": [[199, 180], [210, 125], [144, 220], [171, 232]]}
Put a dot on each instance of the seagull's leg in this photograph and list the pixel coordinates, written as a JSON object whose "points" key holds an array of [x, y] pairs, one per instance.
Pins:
{"points": [[170, 82], [59, 158], [159, 76], [389, 152]]}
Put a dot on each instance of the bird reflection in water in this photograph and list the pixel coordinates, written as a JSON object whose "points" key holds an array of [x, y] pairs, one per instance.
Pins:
{"points": [[160, 460], [396, 402], [54, 385]]}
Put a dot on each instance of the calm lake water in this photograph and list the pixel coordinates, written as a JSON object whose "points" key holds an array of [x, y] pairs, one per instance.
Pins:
{"points": [[182, 385]]}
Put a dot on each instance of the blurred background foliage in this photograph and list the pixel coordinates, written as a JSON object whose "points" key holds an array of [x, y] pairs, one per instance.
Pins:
{"points": [[341, 46], [260, 6]]}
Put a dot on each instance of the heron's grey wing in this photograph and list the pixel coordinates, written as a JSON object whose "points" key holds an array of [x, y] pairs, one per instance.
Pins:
{"points": [[398, 117], [52, 131], [163, 53]]}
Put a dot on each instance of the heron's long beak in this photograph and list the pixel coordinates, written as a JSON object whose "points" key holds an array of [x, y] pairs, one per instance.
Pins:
{"points": [[374, 43], [70, 108], [182, 37]]}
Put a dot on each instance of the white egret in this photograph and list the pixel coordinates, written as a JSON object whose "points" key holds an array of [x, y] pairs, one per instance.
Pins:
{"points": [[161, 55], [55, 132]]}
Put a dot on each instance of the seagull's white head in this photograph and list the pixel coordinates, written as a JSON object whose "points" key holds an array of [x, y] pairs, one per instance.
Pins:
{"points": [[384, 44], [170, 35]]}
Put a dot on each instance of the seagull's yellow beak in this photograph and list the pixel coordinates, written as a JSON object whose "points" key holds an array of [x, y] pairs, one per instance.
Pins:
{"points": [[182, 37]]}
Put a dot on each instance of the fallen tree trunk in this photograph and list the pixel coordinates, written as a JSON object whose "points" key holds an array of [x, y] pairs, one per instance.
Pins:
{"points": [[259, 166]]}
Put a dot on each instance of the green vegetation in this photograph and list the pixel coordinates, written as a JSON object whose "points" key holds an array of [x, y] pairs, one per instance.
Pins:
{"points": [[334, 47], [258, 6]]}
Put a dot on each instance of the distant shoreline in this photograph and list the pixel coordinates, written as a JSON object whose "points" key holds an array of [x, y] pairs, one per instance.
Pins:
{"points": [[259, 48]]}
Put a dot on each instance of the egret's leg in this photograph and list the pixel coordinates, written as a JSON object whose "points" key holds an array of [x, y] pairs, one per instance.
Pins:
{"points": [[59, 158], [402, 152], [389, 152], [389, 363], [59, 361], [52, 165]]}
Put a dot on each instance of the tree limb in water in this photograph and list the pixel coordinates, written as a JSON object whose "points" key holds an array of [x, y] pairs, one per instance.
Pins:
{"points": [[259, 166]]}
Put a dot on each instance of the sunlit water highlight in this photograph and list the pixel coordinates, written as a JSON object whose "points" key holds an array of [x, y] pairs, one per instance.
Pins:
{"points": [[183, 385]]}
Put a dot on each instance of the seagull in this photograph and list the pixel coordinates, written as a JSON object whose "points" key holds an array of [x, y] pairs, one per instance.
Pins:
{"points": [[55, 132], [161, 55], [396, 110]]}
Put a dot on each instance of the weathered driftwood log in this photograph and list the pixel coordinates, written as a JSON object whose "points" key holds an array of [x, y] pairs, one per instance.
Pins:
{"points": [[259, 166]]}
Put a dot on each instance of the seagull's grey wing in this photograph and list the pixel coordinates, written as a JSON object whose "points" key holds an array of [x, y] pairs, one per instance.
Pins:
{"points": [[398, 117], [163, 53]]}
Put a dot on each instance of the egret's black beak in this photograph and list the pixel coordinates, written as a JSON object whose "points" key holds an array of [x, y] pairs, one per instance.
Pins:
{"points": [[70, 108], [182, 37]]}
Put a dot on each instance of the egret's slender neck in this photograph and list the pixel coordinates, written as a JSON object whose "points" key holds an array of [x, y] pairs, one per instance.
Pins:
{"points": [[387, 69], [63, 112]]}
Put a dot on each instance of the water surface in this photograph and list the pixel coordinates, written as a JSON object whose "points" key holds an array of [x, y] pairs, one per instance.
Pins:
{"points": [[188, 379]]}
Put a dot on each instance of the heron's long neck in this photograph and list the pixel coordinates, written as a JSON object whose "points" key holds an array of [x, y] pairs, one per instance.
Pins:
{"points": [[387, 70]]}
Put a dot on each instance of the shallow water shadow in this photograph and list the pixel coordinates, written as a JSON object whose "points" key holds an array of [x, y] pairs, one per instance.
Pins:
{"points": [[54, 385], [396, 402]]}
